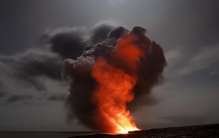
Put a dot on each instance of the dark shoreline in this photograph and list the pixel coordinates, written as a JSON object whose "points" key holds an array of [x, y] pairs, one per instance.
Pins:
{"points": [[199, 131]]}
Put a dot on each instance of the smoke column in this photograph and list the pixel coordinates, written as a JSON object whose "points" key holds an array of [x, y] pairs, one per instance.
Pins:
{"points": [[108, 80]]}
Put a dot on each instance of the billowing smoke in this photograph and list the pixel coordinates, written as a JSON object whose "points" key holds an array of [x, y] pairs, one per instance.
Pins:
{"points": [[30, 65], [113, 76]]}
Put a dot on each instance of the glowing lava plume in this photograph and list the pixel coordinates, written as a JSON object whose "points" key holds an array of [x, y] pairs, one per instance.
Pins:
{"points": [[112, 78], [115, 86]]}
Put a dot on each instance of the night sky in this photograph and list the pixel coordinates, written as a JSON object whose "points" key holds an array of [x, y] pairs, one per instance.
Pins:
{"points": [[32, 93]]}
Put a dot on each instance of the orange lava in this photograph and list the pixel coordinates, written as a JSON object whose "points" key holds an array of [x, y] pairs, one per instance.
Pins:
{"points": [[115, 87]]}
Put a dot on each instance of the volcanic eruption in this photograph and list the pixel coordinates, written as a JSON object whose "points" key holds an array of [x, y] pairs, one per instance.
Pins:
{"points": [[109, 78]]}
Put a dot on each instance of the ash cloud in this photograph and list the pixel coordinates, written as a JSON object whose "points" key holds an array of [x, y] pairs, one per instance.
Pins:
{"points": [[67, 42], [82, 84], [46, 61], [30, 65], [57, 98], [99, 33], [71, 42], [17, 98]]}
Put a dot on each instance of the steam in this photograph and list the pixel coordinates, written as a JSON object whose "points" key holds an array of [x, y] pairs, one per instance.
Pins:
{"points": [[130, 52]]}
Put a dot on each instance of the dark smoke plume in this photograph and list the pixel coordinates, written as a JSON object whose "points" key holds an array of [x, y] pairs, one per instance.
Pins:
{"points": [[102, 43], [67, 42], [31, 64], [16, 98]]}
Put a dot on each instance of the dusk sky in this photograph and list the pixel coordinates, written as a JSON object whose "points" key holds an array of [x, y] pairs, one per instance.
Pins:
{"points": [[32, 93]]}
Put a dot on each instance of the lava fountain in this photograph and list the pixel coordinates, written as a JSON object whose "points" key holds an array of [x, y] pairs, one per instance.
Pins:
{"points": [[115, 85]]}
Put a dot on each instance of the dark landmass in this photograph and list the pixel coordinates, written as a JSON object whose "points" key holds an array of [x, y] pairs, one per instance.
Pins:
{"points": [[200, 131]]}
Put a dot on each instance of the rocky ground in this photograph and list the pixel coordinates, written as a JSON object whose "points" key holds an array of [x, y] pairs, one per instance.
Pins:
{"points": [[201, 131]]}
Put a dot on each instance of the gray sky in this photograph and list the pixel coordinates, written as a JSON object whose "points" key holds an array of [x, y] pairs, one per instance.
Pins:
{"points": [[187, 31]]}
